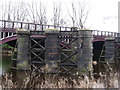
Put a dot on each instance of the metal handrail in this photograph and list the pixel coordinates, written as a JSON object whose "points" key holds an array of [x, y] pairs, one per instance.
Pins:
{"points": [[34, 24], [42, 27]]}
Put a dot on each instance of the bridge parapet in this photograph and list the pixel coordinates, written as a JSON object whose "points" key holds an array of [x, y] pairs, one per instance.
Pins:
{"points": [[8, 30], [4, 35], [104, 33], [42, 27], [30, 26]]}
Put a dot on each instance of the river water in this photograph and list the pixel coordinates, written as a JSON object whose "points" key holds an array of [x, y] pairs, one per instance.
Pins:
{"points": [[6, 63], [5, 68]]}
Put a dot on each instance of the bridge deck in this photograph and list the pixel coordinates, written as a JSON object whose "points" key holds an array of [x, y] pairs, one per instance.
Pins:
{"points": [[8, 29]]}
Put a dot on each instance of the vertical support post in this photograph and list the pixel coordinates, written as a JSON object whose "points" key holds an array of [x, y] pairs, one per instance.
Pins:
{"points": [[4, 35], [109, 49], [8, 34], [4, 24], [23, 49], [73, 28], [85, 54], [117, 52], [0, 35], [117, 57], [51, 51], [12, 34], [1, 61]]}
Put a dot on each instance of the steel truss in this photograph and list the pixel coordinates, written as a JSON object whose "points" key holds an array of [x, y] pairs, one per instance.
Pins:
{"points": [[68, 54], [37, 52]]}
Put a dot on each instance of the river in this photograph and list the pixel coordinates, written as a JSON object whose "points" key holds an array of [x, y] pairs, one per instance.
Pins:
{"points": [[5, 68], [6, 62]]}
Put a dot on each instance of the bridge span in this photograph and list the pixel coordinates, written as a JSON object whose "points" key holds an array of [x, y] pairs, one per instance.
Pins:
{"points": [[8, 30], [65, 50]]}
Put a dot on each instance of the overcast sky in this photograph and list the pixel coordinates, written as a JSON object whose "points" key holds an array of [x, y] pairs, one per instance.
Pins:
{"points": [[103, 14]]}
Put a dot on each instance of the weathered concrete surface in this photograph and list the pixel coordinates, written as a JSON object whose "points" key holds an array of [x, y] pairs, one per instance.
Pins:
{"points": [[85, 53], [51, 51], [23, 49]]}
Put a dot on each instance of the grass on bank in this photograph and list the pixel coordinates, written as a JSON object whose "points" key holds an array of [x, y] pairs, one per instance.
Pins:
{"points": [[34, 80]]}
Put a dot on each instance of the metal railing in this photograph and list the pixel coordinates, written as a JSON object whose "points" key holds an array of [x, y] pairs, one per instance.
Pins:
{"points": [[30, 26], [105, 33], [4, 35], [42, 27]]}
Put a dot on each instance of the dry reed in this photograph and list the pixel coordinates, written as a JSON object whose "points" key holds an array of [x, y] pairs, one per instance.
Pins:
{"points": [[35, 80]]}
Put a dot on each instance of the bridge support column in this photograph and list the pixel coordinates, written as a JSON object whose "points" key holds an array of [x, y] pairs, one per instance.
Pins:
{"points": [[117, 53], [4, 35], [23, 49], [117, 56], [12, 34], [0, 35], [51, 51], [109, 50], [85, 53], [8, 34]]}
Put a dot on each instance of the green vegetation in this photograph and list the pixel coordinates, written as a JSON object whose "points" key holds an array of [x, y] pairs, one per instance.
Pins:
{"points": [[6, 46]]}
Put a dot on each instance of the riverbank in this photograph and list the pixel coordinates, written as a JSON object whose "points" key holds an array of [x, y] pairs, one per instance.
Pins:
{"points": [[35, 80]]}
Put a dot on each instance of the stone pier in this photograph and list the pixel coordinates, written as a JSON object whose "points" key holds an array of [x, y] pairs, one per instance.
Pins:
{"points": [[109, 50], [51, 51], [81, 41], [85, 54], [23, 40]]}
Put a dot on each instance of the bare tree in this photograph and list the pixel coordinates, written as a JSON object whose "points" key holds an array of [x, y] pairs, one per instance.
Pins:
{"points": [[57, 19], [14, 11], [6, 11], [79, 14], [20, 11], [37, 13]]}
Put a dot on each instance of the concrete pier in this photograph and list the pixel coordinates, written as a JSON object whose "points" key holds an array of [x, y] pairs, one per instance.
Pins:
{"points": [[117, 52], [109, 50], [85, 53], [77, 45], [23, 49], [51, 51]]}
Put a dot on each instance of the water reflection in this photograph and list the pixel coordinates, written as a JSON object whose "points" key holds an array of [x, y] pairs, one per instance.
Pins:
{"points": [[5, 67], [6, 62]]}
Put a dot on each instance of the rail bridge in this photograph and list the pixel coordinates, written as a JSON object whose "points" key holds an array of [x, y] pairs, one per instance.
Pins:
{"points": [[72, 48], [8, 30]]}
